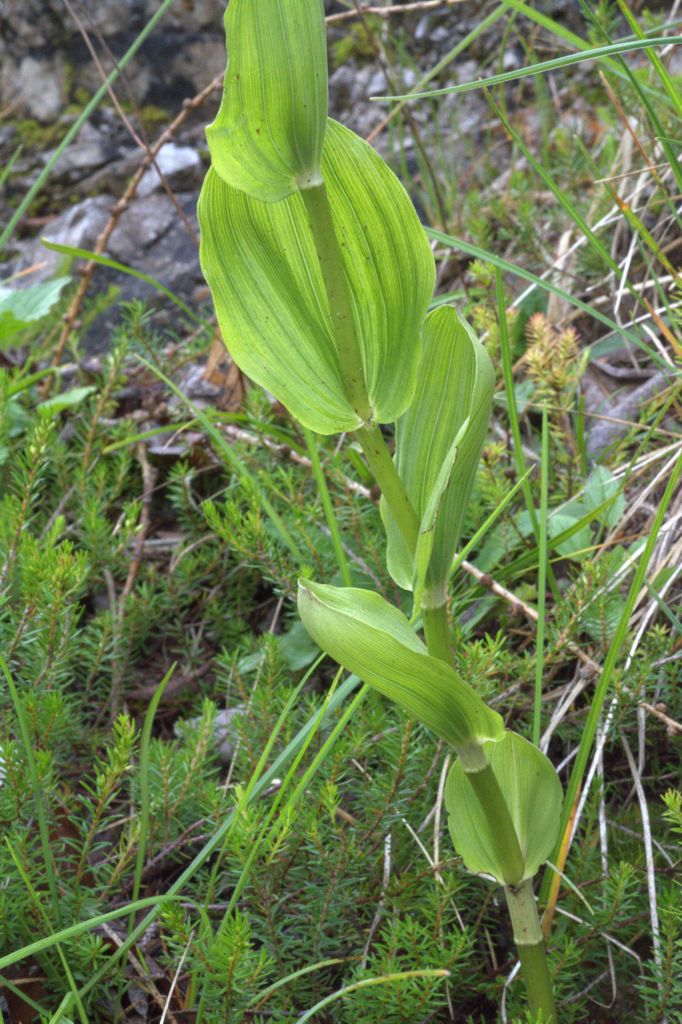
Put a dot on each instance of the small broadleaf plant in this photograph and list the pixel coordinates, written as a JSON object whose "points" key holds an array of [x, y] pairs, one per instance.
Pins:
{"points": [[321, 276]]}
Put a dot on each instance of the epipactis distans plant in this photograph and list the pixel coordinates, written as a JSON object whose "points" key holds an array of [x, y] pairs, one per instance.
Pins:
{"points": [[321, 275]]}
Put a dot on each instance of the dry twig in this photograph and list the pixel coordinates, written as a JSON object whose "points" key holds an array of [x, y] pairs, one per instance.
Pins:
{"points": [[386, 12], [166, 135]]}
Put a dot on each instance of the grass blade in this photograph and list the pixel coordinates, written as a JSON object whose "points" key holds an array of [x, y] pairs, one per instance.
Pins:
{"points": [[343, 691], [542, 581], [526, 275], [143, 813], [40, 945], [598, 53], [590, 727], [46, 920], [328, 507], [387, 979], [38, 795], [105, 261]]}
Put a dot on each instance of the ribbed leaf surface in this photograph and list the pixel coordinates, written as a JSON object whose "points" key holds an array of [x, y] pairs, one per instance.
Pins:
{"points": [[262, 267], [455, 384], [374, 640], [267, 138], [533, 793]]}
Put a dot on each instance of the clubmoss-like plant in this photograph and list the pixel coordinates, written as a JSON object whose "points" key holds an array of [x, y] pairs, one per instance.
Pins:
{"points": [[321, 275]]}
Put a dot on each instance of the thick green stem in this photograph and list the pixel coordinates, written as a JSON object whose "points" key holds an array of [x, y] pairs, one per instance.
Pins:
{"points": [[522, 908], [503, 834], [329, 253], [530, 944], [386, 475], [437, 632]]}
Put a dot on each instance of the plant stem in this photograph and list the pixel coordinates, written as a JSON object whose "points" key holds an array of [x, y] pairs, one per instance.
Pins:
{"points": [[531, 949], [502, 832], [329, 252], [437, 632], [521, 902], [522, 907], [316, 202], [386, 475]]}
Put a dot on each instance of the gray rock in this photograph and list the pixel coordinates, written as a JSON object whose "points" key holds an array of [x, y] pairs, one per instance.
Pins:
{"points": [[91, 150], [341, 86], [39, 40], [619, 409], [440, 35], [181, 167], [34, 86], [421, 33], [34, 22], [151, 235], [108, 18], [409, 78], [142, 225], [79, 227], [349, 90], [187, 16], [377, 85]]}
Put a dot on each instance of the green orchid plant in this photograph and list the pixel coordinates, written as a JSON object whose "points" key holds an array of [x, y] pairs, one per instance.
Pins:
{"points": [[322, 276]]}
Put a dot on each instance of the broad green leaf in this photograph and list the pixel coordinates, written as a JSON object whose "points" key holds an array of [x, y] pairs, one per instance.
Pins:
{"points": [[602, 485], [67, 399], [267, 138], [455, 385], [427, 527], [262, 267], [19, 307], [533, 794], [602, 498], [557, 523], [372, 639]]}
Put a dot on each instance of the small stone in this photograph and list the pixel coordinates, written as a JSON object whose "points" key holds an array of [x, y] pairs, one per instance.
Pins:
{"points": [[341, 83], [510, 60], [36, 87], [79, 227], [89, 151], [468, 71], [441, 34], [409, 78], [422, 30], [377, 85], [142, 224], [180, 166]]}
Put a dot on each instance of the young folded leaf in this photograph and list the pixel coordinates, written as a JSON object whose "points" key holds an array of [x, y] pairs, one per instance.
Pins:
{"points": [[533, 794], [371, 638], [267, 138], [263, 270], [454, 391]]}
